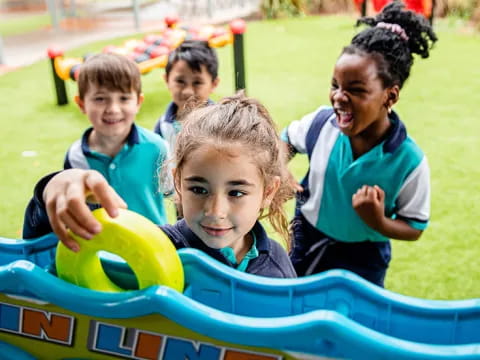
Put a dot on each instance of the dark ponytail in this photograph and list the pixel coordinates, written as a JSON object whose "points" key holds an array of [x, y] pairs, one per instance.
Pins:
{"points": [[393, 51]]}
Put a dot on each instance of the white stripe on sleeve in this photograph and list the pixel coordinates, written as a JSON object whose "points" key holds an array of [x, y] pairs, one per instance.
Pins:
{"points": [[414, 196], [297, 131], [76, 156]]}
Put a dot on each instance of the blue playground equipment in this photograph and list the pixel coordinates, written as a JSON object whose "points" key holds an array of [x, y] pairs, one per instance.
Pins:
{"points": [[222, 314]]}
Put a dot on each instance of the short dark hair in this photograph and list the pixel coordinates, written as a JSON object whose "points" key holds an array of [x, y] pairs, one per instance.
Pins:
{"points": [[195, 53], [392, 53], [113, 71]]}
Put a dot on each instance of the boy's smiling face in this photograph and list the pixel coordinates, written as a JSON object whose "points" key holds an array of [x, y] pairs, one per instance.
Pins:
{"points": [[111, 112], [183, 83]]}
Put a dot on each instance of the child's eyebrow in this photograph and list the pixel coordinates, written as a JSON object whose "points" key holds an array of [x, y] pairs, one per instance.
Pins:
{"points": [[200, 179], [356, 82], [196, 179], [240, 182]]}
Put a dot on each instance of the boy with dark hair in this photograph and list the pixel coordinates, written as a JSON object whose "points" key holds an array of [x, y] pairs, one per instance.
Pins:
{"points": [[128, 156], [192, 70]]}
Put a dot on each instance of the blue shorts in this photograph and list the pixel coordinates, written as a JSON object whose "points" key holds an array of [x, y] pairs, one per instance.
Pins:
{"points": [[314, 252]]}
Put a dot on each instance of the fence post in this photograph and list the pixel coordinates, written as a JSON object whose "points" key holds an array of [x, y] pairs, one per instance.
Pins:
{"points": [[73, 9], [209, 9], [432, 12], [136, 15], [52, 8], [238, 28], [364, 8], [60, 89]]}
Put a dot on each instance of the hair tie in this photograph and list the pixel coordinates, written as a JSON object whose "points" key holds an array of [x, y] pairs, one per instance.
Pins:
{"points": [[395, 28]]}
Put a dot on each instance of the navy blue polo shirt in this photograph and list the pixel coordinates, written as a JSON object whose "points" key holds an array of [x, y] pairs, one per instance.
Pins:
{"points": [[168, 127], [272, 260]]}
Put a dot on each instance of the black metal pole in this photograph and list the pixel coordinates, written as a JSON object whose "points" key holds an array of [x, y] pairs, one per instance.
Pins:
{"points": [[364, 8], [432, 12], [238, 28], [60, 89], [239, 62]]}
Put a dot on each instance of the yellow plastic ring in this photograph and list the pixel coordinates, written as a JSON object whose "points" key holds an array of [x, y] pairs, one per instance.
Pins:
{"points": [[147, 250]]}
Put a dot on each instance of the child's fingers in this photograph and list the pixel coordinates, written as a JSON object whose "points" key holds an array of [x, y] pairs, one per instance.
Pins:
{"points": [[356, 197], [298, 187], [365, 194], [104, 193], [360, 191], [59, 228], [76, 214], [76, 227], [380, 193], [372, 194], [363, 191], [71, 244], [62, 234]]}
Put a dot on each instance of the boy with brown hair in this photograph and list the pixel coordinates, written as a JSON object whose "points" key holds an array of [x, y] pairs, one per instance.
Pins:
{"points": [[127, 155]]}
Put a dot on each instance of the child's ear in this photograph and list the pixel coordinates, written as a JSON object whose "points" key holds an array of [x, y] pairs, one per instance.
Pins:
{"points": [[393, 94], [270, 191], [215, 83], [80, 103], [140, 99]]}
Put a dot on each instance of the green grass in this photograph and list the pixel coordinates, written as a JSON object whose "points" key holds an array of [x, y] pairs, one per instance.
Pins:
{"points": [[23, 24], [289, 65]]}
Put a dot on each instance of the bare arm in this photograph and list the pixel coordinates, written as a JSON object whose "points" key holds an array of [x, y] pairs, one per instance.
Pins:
{"points": [[368, 202]]}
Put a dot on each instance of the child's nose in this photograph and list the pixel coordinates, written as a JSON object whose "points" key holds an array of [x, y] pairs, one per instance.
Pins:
{"points": [[113, 106], [339, 96], [216, 206], [188, 91]]}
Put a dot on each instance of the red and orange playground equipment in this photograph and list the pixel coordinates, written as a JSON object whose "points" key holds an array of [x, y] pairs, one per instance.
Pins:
{"points": [[152, 51], [424, 7]]}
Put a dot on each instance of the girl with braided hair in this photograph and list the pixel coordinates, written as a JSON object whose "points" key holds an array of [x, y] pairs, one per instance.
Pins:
{"points": [[368, 181]]}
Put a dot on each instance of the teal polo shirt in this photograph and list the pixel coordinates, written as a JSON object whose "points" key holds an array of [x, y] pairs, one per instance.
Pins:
{"points": [[397, 165], [133, 172]]}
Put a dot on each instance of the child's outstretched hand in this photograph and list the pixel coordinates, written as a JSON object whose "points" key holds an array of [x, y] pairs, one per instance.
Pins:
{"points": [[369, 204], [65, 196]]}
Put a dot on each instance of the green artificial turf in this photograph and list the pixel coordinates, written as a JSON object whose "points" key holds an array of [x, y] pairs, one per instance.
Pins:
{"points": [[289, 64]]}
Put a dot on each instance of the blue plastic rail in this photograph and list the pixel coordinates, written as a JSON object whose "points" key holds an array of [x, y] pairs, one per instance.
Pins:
{"points": [[335, 314]]}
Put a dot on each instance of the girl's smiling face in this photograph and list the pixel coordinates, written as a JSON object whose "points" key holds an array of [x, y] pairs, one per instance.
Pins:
{"points": [[359, 98], [222, 192]]}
